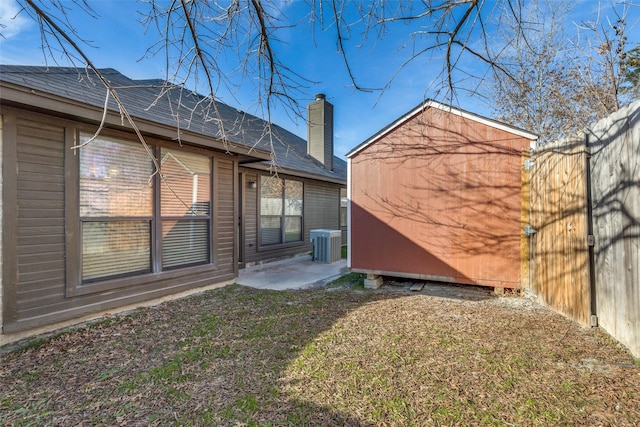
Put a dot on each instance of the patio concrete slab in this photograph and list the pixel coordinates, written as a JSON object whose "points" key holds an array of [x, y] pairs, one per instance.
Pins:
{"points": [[292, 273]]}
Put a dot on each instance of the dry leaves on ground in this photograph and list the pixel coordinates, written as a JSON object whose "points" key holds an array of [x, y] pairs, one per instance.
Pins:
{"points": [[330, 356]]}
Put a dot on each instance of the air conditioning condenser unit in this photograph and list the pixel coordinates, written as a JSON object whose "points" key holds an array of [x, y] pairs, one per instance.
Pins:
{"points": [[327, 245]]}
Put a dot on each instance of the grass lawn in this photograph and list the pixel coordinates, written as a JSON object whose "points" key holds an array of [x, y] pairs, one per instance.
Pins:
{"points": [[334, 356]]}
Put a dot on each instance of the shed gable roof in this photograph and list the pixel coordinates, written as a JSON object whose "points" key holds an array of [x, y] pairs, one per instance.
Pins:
{"points": [[162, 103], [429, 103]]}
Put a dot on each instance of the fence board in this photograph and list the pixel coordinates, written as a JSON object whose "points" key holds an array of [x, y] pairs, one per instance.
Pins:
{"points": [[615, 191], [560, 251]]}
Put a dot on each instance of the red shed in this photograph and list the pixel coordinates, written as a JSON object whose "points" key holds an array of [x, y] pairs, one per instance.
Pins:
{"points": [[438, 195]]}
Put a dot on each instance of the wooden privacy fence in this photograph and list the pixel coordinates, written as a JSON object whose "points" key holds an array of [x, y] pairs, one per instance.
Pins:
{"points": [[614, 144], [585, 212], [560, 250]]}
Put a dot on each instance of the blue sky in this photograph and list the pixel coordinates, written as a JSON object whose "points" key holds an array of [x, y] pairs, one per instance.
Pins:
{"points": [[119, 41]]}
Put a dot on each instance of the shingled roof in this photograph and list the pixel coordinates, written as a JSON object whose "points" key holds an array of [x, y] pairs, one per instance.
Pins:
{"points": [[160, 102]]}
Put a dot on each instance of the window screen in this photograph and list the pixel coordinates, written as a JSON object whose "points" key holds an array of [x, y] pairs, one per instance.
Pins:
{"points": [[116, 201], [186, 208], [281, 207], [118, 213]]}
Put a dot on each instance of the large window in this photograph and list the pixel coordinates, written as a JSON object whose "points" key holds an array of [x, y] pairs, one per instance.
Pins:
{"points": [[186, 208], [280, 210], [127, 227], [116, 209]]}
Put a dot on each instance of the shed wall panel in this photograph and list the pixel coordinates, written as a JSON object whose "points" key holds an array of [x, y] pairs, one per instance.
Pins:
{"points": [[440, 197]]}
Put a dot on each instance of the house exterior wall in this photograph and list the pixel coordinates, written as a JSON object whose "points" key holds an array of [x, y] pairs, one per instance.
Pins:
{"points": [[322, 207], [224, 220], [1, 223], [321, 210], [35, 216], [439, 198], [249, 221]]}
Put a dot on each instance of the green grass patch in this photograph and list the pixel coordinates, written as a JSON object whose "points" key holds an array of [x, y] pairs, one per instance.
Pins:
{"points": [[349, 280], [330, 357]]}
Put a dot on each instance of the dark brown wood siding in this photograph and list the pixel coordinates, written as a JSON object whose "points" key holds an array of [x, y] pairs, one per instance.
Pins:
{"points": [[40, 199], [35, 288], [321, 211], [250, 219], [224, 214], [321, 208]]}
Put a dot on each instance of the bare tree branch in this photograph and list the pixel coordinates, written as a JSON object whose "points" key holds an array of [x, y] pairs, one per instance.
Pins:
{"points": [[340, 40], [61, 35], [214, 45], [552, 72]]}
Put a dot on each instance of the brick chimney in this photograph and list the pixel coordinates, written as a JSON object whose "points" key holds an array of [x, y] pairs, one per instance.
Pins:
{"points": [[320, 131]]}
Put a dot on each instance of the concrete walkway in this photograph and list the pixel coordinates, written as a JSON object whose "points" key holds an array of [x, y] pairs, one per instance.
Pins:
{"points": [[292, 273]]}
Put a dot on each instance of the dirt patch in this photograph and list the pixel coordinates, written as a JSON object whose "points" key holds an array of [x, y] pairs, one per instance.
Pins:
{"points": [[241, 356]]}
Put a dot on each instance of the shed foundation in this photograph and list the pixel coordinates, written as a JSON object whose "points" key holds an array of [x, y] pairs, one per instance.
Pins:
{"points": [[373, 281]]}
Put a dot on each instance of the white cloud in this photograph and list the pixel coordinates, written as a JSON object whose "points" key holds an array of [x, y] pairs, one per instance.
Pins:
{"points": [[11, 21]]}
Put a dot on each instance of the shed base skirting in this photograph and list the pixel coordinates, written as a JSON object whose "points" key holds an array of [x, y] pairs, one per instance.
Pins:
{"points": [[445, 279]]}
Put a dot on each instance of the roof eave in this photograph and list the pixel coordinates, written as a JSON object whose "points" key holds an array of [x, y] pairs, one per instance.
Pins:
{"points": [[287, 171], [35, 100]]}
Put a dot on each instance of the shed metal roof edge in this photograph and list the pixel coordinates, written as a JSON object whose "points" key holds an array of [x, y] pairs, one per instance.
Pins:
{"points": [[430, 103]]}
